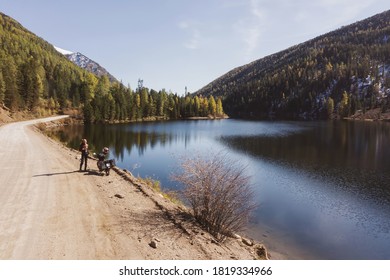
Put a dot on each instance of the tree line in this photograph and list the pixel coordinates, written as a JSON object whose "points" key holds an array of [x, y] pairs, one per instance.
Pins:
{"points": [[115, 102]]}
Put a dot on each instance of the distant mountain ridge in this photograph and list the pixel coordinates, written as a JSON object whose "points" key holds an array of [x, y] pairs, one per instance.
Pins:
{"points": [[335, 74], [88, 64]]}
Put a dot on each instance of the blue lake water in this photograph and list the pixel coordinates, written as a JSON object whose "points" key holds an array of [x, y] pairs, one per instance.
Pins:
{"points": [[323, 188]]}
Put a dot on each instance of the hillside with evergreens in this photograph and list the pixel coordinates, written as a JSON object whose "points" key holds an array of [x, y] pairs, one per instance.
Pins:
{"points": [[334, 75], [37, 80]]}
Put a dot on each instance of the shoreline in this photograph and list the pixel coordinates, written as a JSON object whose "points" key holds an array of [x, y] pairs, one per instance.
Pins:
{"points": [[240, 246], [371, 115], [274, 248], [273, 241]]}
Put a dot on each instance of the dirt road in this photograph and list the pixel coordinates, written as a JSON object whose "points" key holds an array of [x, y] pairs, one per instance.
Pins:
{"points": [[50, 210]]}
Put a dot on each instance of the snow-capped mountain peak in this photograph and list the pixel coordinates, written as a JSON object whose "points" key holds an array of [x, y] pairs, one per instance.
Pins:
{"points": [[89, 65], [86, 63]]}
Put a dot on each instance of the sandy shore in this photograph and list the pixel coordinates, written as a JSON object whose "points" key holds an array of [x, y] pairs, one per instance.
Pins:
{"points": [[50, 210]]}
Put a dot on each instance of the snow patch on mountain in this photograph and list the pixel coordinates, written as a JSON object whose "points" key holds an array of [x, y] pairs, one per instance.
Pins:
{"points": [[83, 61], [64, 52]]}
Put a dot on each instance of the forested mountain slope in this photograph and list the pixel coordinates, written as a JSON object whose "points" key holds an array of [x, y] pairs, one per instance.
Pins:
{"points": [[333, 75], [33, 75], [38, 80]]}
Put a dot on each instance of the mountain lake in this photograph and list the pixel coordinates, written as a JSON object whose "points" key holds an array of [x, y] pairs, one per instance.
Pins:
{"points": [[322, 188]]}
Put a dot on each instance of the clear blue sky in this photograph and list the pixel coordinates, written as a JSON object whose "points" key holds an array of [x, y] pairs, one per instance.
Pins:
{"points": [[172, 44]]}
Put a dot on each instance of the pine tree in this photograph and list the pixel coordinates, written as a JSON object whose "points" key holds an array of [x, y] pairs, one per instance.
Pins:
{"points": [[219, 109], [103, 86], [344, 105], [2, 88], [204, 107], [144, 102], [162, 97], [11, 94], [196, 106], [330, 107], [212, 106], [137, 107], [88, 113]]}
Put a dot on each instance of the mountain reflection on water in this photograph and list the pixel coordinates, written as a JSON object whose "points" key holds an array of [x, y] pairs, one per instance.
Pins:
{"points": [[356, 155]]}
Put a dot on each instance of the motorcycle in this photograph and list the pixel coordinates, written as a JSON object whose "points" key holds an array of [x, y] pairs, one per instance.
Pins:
{"points": [[103, 164]]}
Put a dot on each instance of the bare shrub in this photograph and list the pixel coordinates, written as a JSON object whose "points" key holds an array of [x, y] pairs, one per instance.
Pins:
{"points": [[218, 192]]}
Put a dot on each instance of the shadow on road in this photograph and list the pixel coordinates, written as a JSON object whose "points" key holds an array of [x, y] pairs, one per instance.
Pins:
{"points": [[54, 174], [87, 172]]}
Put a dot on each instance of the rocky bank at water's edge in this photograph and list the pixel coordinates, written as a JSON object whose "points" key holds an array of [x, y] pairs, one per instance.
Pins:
{"points": [[371, 115], [182, 218]]}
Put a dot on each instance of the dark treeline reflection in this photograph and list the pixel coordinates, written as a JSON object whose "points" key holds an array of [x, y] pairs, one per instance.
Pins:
{"points": [[352, 154], [121, 139]]}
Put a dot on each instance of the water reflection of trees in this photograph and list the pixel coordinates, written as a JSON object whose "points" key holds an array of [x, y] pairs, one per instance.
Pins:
{"points": [[353, 154], [120, 140], [342, 144]]}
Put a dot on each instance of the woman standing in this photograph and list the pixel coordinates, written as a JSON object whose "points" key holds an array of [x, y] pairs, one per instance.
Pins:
{"points": [[84, 154]]}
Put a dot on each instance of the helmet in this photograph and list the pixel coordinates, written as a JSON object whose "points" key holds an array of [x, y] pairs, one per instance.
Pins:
{"points": [[105, 150]]}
